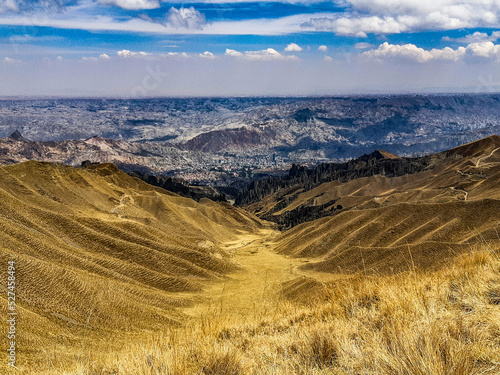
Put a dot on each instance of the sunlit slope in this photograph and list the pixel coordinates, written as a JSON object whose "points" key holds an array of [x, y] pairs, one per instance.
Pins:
{"points": [[99, 240], [390, 224]]}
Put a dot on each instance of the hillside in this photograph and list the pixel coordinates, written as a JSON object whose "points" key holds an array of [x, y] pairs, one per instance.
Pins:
{"points": [[97, 242], [376, 180], [384, 225]]}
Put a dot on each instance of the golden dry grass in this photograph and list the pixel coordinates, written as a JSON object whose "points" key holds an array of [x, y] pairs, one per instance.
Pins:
{"points": [[99, 242], [415, 322], [122, 278], [432, 216], [381, 239]]}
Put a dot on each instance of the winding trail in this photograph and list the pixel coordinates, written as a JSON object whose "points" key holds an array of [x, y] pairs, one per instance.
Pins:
{"points": [[480, 159]]}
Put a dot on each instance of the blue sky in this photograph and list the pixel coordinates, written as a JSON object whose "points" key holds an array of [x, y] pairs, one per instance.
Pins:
{"points": [[226, 47]]}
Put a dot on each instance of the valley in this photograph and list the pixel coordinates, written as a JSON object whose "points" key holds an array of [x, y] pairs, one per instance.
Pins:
{"points": [[116, 276]]}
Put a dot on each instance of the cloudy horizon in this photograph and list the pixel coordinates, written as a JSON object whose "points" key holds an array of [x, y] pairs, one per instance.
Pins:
{"points": [[145, 48]]}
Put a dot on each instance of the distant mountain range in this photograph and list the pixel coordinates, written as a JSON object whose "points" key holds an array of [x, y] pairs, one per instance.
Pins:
{"points": [[226, 135], [129, 156]]}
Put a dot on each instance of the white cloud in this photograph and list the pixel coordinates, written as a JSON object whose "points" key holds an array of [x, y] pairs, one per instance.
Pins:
{"points": [[412, 52], [421, 6], [323, 48], [265, 54], [232, 52], [133, 4], [59, 58], [90, 59], [186, 18], [127, 54], [487, 50], [207, 55], [292, 47], [396, 16], [8, 5], [327, 59], [483, 50], [360, 18], [476, 37], [9, 60], [358, 27], [173, 54], [104, 56], [74, 20], [363, 45]]}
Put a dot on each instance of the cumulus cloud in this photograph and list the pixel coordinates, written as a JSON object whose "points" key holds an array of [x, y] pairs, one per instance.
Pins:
{"points": [[133, 4], [398, 16], [483, 50], [487, 50], [327, 59], [185, 18], [104, 56], [128, 54], [323, 48], [207, 55], [265, 54], [412, 52], [476, 37], [292, 47], [173, 54], [232, 52]]}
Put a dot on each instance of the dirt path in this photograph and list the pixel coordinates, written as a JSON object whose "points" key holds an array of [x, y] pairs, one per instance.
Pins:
{"points": [[479, 160], [255, 286], [254, 289]]}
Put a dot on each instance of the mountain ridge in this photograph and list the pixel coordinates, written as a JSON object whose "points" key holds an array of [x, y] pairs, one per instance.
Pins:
{"points": [[275, 199]]}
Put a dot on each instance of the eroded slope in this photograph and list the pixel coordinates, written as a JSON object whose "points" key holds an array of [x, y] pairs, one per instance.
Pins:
{"points": [[97, 242], [391, 224]]}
